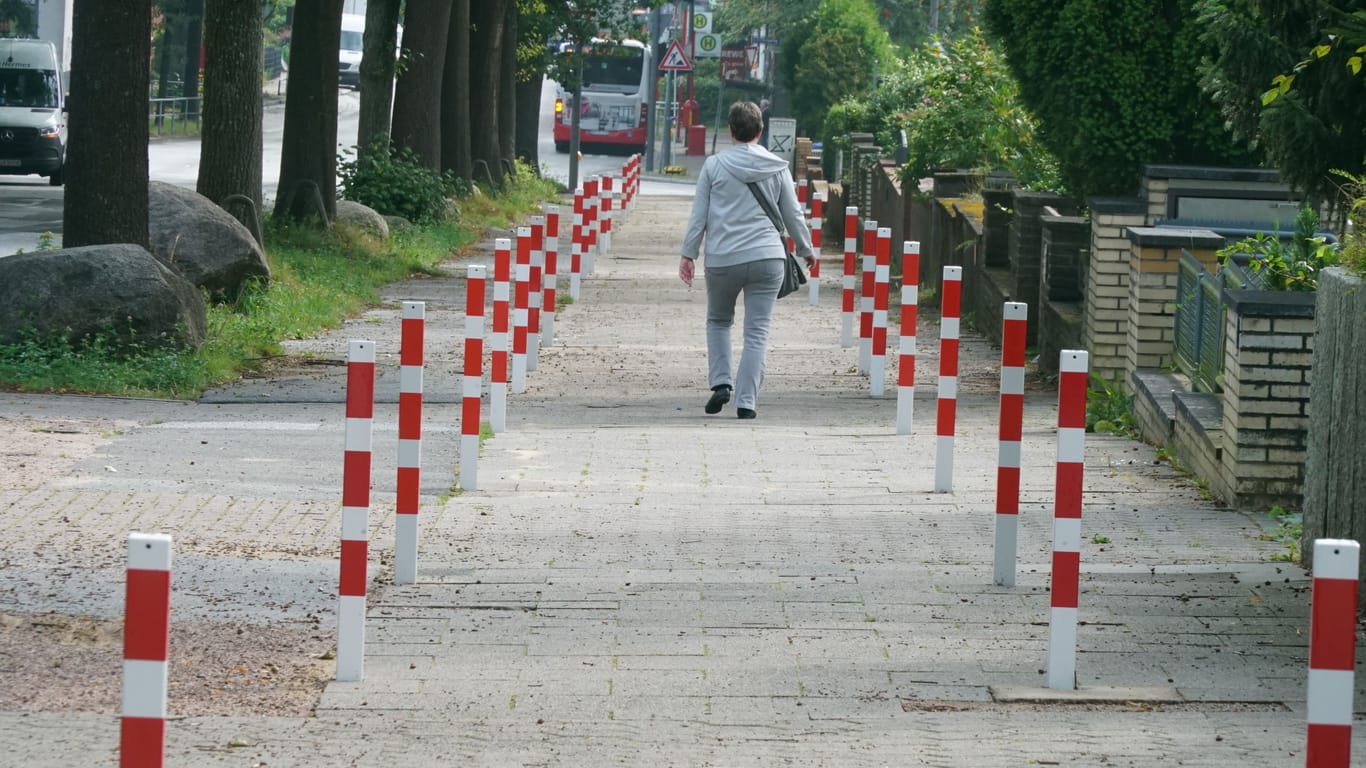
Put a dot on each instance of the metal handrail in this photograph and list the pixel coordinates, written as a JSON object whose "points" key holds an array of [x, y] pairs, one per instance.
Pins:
{"points": [[171, 116]]}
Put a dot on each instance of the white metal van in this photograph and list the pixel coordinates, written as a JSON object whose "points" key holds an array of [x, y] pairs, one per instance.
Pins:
{"points": [[352, 44], [32, 119]]}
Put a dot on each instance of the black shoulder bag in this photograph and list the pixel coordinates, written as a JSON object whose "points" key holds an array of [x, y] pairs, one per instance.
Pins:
{"points": [[793, 276]]}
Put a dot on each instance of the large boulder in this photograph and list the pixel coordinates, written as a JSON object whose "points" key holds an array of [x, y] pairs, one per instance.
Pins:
{"points": [[202, 241], [362, 217], [112, 289]]}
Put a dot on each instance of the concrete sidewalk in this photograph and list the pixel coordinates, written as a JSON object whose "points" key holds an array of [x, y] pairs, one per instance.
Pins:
{"points": [[637, 583]]}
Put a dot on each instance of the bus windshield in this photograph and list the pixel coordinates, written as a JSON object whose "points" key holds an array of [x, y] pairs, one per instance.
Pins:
{"points": [[618, 69]]}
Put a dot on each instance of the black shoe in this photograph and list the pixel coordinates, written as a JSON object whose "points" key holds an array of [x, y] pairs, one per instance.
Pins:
{"points": [[720, 395], [745, 413]]}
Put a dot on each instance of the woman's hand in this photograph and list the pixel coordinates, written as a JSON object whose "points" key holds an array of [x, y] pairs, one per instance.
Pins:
{"points": [[810, 261], [685, 270]]}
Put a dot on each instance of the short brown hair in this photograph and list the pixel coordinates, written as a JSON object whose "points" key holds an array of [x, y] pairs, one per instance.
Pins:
{"points": [[745, 120]]}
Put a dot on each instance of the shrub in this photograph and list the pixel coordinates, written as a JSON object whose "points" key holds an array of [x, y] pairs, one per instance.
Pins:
{"points": [[1292, 266], [967, 113], [394, 182], [1352, 254]]}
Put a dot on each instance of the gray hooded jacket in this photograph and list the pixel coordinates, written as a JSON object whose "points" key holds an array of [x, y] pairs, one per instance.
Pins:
{"points": [[724, 210]]}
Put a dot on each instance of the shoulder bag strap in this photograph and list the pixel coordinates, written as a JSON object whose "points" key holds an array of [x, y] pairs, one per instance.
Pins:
{"points": [[767, 206]]}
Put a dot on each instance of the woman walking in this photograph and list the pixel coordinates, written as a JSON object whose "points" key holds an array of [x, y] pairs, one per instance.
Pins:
{"points": [[744, 254]]}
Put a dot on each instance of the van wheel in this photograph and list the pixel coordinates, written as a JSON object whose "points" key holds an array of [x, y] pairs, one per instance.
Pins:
{"points": [[562, 147], [58, 177]]}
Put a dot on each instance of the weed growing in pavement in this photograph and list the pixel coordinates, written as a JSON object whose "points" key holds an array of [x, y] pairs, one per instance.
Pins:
{"points": [[1108, 409], [1288, 531]]}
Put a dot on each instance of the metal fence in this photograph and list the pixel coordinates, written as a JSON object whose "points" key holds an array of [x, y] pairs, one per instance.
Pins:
{"points": [[174, 117], [1199, 324]]}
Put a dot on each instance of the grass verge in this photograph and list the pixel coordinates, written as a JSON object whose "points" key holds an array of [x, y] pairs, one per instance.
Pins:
{"points": [[319, 278]]}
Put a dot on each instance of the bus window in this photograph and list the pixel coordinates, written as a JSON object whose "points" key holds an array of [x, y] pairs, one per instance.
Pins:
{"points": [[613, 70]]}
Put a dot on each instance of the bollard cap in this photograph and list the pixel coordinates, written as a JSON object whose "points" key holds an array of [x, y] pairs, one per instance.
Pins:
{"points": [[149, 552], [360, 351]]}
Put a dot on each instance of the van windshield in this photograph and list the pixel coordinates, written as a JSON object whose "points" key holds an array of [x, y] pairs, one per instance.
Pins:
{"points": [[352, 41], [28, 88]]}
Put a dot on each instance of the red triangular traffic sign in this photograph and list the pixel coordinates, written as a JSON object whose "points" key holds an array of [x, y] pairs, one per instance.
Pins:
{"points": [[675, 60]]}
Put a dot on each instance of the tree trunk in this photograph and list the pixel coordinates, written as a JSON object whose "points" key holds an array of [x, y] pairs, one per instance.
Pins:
{"points": [[308, 150], [417, 99], [163, 54], [529, 120], [194, 28], [455, 96], [507, 88], [230, 148], [486, 56], [377, 72], [106, 156]]}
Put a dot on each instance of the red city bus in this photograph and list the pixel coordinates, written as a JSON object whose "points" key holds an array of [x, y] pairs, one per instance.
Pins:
{"points": [[615, 98]]}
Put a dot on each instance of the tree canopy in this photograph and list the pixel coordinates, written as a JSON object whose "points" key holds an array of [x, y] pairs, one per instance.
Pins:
{"points": [[1113, 86], [1286, 76], [838, 50]]}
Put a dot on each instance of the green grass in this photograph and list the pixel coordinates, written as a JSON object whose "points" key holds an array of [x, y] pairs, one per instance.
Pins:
{"points": [[319, 278]]}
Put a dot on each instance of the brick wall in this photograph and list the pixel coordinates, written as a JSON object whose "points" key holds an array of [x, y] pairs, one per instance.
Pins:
{"points": [[1268, 354], [1154, 255], [1026, 238], [1106, 320]]}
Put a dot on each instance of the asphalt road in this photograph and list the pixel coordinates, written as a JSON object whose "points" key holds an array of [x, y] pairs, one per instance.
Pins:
{"points": [[30, 207]]}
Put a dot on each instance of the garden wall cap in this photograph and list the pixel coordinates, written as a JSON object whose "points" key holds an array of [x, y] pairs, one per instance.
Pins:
{"points": [[1273, 304], [1065, 221], [1166, 237], [1211, 172], [1132, 205]]}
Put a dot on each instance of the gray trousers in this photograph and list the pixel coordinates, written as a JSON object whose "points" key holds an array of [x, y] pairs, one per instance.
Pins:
{"points": [[759, 280]]}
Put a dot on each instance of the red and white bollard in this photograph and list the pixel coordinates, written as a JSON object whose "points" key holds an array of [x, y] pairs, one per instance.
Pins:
{"points": [[576, 245], [607, 204], [473, 381], [409, 441], [635, 179], [1073, 367], [1015, 318], [146, 643], [1332, 653], [592, 196], [910, 307], [550, 279], [950, 306], [801, 195], [817, 237], [868, 287], [521, 303], [355, 534], [850, 276], [498, 341], [882, 277], [535, 291]]}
